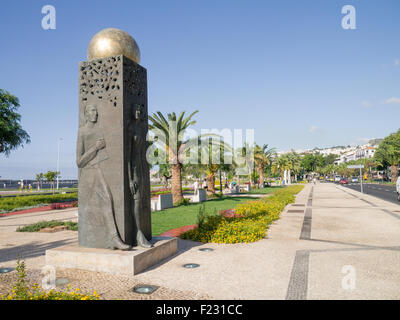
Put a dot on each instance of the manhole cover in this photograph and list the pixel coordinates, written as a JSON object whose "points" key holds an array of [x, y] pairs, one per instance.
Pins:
{"points": [[61, 282], [206, 249], [6, 270], [191, 265], [144, 289]]}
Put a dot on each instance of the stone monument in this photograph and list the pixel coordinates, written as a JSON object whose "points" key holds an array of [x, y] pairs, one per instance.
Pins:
{"points": [[114, 180]]}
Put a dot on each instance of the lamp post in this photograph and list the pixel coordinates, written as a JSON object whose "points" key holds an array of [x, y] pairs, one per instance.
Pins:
{"points": [[220, 180], [58, 159]]}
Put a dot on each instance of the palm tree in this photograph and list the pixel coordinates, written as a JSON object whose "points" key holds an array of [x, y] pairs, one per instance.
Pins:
{"points": [[173, 130], [263, 158], [39, 178], [281, 164], [295, 164], [165, 172], [210, 168], [51, 176]]}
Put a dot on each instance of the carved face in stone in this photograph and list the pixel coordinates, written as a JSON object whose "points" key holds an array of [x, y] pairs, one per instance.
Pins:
{"points": [[91, 113]]}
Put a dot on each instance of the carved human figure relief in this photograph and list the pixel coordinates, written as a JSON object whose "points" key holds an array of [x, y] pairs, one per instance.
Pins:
{"points": [[136, 150], [95, 198]]}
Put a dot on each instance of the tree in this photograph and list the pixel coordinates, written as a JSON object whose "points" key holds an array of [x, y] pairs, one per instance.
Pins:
{"points": [[388, 153], [280, 165], [309, 163], [213, 145], [295, 164], [263, 158], [11, 133], [39, 178], [173, 131], [165, 171], [330, 159], [51, 176]]}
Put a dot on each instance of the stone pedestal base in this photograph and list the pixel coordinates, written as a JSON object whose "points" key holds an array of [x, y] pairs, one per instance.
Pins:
{"points": [[113, 261], [200, 196]]}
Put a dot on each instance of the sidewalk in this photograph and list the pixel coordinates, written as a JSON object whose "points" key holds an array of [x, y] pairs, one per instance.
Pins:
{"points": [[331, 239]]}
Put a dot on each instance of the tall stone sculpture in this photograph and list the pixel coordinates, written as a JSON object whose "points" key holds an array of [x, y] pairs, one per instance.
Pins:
{"points": [[114, 181]]}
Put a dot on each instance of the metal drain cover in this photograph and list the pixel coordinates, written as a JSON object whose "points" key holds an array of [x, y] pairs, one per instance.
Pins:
{"points": [[61, 282], [206, 249], [191, 265], [144, 289], [6, 270]]}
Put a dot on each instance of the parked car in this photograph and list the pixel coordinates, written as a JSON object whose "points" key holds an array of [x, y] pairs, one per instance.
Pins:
{"points": [[344, 181], [354, 179], [337, 178]]}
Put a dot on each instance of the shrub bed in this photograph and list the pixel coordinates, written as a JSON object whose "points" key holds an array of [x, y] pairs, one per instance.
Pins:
{"points": [[36, 227], [22, 291], [18, 202], [251, 222]]}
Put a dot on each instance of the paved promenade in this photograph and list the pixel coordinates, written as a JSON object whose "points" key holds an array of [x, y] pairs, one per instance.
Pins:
{"points": [[333, 243]]}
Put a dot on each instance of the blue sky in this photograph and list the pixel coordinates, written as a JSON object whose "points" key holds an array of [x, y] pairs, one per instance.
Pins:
{"points": [[284, 68]]}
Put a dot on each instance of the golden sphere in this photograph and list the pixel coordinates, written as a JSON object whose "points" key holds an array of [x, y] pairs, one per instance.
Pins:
{"points": [[112, 42]]}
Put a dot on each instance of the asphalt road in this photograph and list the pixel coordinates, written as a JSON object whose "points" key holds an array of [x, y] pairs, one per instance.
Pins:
{"points": [[384, 192]]}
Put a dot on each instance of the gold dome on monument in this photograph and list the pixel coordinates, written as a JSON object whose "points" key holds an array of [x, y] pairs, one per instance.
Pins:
{"points": [[112, 42]]}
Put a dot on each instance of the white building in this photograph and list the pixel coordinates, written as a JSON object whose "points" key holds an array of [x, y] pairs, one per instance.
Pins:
{"points": [[366, 152], [345, 154]]}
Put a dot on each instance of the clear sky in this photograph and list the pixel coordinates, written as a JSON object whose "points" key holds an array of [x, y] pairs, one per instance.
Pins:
{"points": [[286, 69]]}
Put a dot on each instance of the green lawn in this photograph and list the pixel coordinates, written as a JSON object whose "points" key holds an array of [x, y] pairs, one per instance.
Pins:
{"points": [[187, 215], [264, 190]]}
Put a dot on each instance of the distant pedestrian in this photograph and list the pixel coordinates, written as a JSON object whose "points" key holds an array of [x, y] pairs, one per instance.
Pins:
{"points": [[196, 187], [205, 184]]}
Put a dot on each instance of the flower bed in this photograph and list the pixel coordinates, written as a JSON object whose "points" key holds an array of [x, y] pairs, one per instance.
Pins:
{"points": [[178, 231], [22, 291], [63, 205], [251, 222], [230, 213]]}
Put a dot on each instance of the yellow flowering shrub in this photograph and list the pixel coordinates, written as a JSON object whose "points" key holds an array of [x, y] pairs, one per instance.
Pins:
{"points": [[252, 223]]}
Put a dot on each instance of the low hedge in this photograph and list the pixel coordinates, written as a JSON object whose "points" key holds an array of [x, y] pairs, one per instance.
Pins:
{"points": [[9, 204], [35, 227], [252, 223]]}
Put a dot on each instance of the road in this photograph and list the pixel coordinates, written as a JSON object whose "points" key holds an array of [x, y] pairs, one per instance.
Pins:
{"points": [[385, 192]]}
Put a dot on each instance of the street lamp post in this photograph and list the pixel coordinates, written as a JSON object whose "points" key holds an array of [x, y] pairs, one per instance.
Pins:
{"points": [[220, 180], [58, 159]]}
